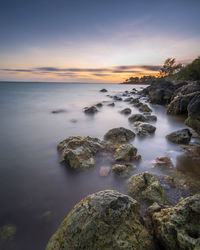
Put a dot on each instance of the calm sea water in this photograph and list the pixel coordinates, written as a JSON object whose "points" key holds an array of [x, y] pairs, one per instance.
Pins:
{"points": [[36, 192]]}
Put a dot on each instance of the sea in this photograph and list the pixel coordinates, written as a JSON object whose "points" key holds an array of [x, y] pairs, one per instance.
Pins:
{"points": [[36, 191]]}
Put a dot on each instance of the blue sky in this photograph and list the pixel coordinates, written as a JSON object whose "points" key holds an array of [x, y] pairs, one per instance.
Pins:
{"points": [[94, 35]]}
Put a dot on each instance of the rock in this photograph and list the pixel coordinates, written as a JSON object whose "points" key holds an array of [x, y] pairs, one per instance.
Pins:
{"points": [[126, 111], [112, 104], [151, 118], [125, 152], [144, 108], [123, 170], [135, 101], [143, 129], [103, 90], [117, 98], [163, 162], [182, 136], [193, 119], [73, 120], [78, 151], [146, 187], [104, 171], [104, 220], [91, 110], [7, 233], [179, 227], [99, 105], [119, 135], [137, 118], [58, 111], [129, 99], [155, 207]]}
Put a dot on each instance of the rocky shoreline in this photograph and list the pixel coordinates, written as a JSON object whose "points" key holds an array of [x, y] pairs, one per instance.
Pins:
{"points": [[146, 218]]}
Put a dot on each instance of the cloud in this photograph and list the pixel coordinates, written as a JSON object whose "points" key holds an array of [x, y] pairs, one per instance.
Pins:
{"points": [[17, 70], [146, 67]]}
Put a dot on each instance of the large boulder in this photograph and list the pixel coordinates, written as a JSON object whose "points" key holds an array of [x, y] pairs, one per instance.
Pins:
{"points": [[193, 108], [78, 151], [179, 227], [104, 220], [119, 135], [125, 152], [146, 187], [182, 136], [123, 170]]}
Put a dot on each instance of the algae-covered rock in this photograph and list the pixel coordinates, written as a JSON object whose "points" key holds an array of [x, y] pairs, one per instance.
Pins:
{"points": [[123, 170], [179, 227], [145, 108], [78, 151], [119, 135], [125, 152], [146, 187], [7, 233], [137, 118], [143, 128], [182, 136], [104, 220]]}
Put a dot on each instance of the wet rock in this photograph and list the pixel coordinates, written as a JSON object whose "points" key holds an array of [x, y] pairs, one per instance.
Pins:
{"points": [[104, 171], [125, 152], [99, 105], [112, 104], [103, 90], [119, 135], [193, 108], [126, 111], [155, 207], [117, 98], [135, 101], [123, 170], [163, 162], [182, 136], [137, 118], [91, 110], [78, 151], [58, 111], [145, 108], [129, 99], [104, 220], [146, 187], [151, 118], [143, 129], [178, 227]]}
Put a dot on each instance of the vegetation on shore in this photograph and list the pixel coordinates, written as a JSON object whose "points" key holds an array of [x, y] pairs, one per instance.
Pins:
{"points": [[171, 71]]}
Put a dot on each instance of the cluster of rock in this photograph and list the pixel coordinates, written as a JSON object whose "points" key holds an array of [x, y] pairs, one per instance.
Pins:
{"points": [[182, 99]]}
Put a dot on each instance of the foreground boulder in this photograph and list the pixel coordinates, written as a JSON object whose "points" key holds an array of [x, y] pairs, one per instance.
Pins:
{"points": [[179, 227], [182, 136], [78, 151], [119, 135], [104, 220], [146, 187]]}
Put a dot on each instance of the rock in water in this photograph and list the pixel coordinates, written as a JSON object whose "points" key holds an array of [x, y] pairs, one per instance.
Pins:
{"points": [[126, 111], [119, 135], [182, 136], [143, 128], [104, 171], [179, 227], [123, 170], [137, 118], [104, 220], [78, 151], [146, 187], [91, 110], [125, 152], [103, 90]]}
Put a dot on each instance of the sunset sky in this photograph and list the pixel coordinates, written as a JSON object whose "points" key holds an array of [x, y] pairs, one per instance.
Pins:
{"points": [[94, 40]]}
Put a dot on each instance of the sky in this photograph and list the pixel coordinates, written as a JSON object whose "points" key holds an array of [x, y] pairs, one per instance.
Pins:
{"points": [[94, 40]]}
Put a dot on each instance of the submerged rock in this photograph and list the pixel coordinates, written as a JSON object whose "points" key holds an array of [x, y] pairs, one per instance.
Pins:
{"points": [[104, 220], [179, 227], [182, 136], [112, 104], [146, 187], [123, 170], [126, 111], [104, 171], [119, 135], [137, 118], [125, 152], [103, 90], [78, 151], [151, 118], [163, 162], [91, 110], [143, 128], [58, 111]]}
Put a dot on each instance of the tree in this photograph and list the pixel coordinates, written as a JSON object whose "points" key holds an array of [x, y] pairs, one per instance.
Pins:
{"points": [[170, 67]]}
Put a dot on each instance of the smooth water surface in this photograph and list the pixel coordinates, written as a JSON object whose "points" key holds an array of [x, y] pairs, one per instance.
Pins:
{"points": [[37, 192]]}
